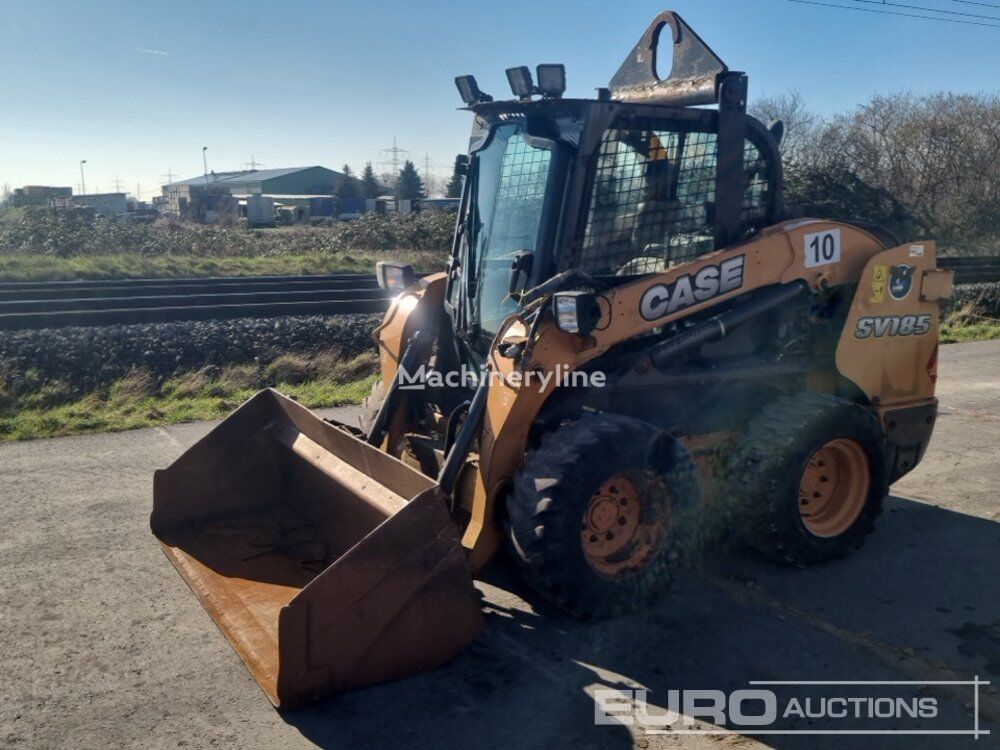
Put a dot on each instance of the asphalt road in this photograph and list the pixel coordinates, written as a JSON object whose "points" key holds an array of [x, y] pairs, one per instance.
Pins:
{"points": [[103, 646]]}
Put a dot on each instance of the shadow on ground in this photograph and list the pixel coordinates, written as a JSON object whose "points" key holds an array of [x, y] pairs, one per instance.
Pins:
{"points": [[919, 602]]}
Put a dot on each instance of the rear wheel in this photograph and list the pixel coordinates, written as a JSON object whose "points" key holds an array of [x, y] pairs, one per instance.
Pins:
{"points": [[810, 474], [601, 515]]}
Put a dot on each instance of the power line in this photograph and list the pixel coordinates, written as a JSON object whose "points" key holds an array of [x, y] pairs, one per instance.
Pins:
{"points": [[975, 2], [925, 8], [896, 13]]}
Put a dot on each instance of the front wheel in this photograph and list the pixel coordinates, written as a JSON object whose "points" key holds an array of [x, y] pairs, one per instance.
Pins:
{"points": [[810, 473], [601, 515]]}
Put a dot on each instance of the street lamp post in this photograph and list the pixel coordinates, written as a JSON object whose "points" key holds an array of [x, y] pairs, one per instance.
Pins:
{"points": [[204, 161], [83, 183]]}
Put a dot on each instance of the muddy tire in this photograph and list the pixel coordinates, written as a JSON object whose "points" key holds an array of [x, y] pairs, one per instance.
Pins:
{"points": [[810, 475], [600, 518], [371, 404]]}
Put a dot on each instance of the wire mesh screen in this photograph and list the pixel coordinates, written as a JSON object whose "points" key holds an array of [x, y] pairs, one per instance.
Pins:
{"points": [[517, 211], [512, 178], [756, 193], [653, 199]]}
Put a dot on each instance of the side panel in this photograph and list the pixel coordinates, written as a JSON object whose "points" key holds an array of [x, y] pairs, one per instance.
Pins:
{"points": [[891, 332]]}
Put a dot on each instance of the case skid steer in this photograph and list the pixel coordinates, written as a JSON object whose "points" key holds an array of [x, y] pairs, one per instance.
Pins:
{"points": [[632, 350]]}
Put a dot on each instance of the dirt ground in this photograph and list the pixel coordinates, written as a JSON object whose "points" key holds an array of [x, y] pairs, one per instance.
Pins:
{"points": [[103, 646]]}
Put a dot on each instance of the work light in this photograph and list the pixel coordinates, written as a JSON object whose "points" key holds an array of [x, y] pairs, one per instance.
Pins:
{"points": [[394, 277], [468, 89], [576, 312], [551, 80], [520, 82]]}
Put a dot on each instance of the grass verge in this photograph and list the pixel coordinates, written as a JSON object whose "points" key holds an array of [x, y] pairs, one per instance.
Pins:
{"points": [[139, 400], [28, 267], [968, 323], [955, 332]]}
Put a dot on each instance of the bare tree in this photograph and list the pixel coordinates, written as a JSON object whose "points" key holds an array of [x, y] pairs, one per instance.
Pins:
{"points": [[939, 155], [801, 125]]}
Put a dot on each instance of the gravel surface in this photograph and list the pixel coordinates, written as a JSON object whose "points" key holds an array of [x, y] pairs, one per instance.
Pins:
{"points": [[92, 357]]}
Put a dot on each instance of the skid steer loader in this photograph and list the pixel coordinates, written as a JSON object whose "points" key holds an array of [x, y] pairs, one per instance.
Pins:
{"points": [[632, 347]]}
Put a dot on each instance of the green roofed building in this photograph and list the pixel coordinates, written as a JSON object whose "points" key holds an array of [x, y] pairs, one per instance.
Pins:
{"points": [[206, 197], [287, 181]]}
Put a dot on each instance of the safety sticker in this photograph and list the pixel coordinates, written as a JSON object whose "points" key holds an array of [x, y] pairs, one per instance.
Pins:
{"points": [[878, 283]]}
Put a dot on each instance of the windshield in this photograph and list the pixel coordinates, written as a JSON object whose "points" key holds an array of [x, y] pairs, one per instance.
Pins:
{"points": [[510, 183]]}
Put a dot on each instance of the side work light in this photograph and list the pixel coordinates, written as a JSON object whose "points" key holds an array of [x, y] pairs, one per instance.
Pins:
{"points": [[395, 277], [576, 312]]}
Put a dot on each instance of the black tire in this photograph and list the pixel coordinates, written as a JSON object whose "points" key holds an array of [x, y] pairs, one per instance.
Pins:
{"points": [[551, 494], [767, 469], [371, 404]]}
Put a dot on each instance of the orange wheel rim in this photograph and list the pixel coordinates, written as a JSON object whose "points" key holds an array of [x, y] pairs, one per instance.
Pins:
{"points": [[615, 536], [834, 488]]}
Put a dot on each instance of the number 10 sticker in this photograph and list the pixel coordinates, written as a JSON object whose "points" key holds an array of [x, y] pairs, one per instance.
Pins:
{"points": [[822, 248]]}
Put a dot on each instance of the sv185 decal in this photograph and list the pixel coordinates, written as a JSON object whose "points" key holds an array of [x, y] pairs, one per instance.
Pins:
{"points": [[709, 281], [892, 325]]}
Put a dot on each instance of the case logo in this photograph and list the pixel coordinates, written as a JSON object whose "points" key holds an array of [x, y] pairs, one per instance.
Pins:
{"points": [[707, 282], [900, 281]]}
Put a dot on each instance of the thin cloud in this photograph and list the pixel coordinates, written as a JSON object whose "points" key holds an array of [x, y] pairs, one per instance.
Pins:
{"points": [[149, 51]]}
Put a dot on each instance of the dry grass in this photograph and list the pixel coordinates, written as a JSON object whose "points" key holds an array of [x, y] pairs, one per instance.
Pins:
{"points": [[289, 368], [140, 399], [237, 378], [967, 323], [137, 386], [333, 364]]}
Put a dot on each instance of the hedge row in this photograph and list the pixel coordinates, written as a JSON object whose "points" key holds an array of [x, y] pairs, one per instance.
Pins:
{"points": [[67, 233], [982, 299]]}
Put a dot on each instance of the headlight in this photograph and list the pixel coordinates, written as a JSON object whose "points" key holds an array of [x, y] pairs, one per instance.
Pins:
{"points": [[394, 276], [576, 312]]}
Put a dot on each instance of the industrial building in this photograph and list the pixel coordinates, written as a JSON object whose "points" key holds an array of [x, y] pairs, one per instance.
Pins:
{"points": [[288, 181], [205, 202], [103, 204], [296, 185], [38, 195]]}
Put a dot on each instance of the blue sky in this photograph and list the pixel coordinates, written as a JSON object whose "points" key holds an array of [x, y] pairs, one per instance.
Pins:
{"points": [[137, 88]]}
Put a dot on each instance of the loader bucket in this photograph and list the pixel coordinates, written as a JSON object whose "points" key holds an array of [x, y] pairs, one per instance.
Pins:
{"points": [[327, 563]]}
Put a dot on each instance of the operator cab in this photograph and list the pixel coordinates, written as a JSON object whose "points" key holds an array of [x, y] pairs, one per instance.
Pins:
{"points": [[637, 181]]}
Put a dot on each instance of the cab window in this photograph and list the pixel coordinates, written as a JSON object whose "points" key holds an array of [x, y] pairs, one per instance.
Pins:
{"points": [[652, 198]]}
